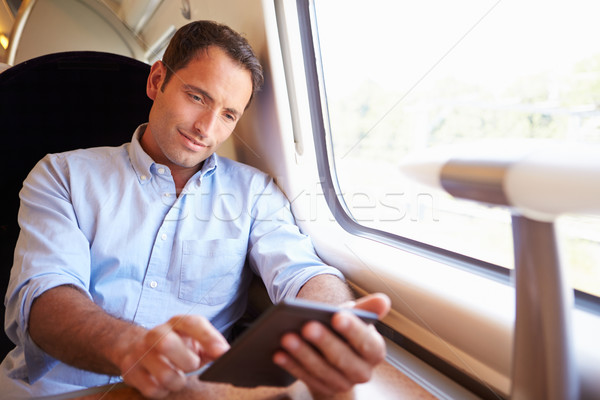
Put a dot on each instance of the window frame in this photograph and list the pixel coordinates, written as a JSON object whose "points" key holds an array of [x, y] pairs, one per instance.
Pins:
{"points": [[461, 318]]}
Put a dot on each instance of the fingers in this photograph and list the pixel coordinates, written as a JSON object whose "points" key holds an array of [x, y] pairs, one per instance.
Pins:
{"points": [[304, 362], [156, 365], [211, 342], [153, 376], [325, 362], [166, 342], [363, 338], [331, 362]]}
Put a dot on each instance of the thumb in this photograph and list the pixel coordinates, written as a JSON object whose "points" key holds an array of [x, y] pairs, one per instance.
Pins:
{"points": [[378, 303]]}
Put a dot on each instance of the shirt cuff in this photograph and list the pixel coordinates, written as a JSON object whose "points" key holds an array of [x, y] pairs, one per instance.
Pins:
{"points": [[38, 362], [292, 293]]}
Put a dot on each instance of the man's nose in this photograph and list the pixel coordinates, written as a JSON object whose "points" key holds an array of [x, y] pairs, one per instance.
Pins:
{"points": [[206, 121]]}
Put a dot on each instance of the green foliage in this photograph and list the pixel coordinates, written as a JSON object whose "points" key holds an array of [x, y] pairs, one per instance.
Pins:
{"points": [[378, 122]]}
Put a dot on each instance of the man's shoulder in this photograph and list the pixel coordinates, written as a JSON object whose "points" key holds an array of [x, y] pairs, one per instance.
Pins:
{"points": [[78, 168], [81, 162], [229, 167], [91, 154]]}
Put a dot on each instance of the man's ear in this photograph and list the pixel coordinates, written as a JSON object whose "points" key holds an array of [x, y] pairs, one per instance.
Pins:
{"points": [[155, 79]]}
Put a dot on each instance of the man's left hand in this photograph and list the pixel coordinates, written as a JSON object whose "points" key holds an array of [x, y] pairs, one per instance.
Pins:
{"points": [[326, 363]]}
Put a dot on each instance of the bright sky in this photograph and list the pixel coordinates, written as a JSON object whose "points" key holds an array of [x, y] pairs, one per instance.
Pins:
{"points": [[489, 42]]}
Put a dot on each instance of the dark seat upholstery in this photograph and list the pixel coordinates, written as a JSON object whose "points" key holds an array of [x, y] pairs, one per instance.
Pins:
{"points": [[55, 103]]}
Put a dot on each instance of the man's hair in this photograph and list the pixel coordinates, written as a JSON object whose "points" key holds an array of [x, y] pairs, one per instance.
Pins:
{"points": [[198, 36]]}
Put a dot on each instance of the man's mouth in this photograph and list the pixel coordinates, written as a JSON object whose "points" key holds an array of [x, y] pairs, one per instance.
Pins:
{"points": [[191, 142]]}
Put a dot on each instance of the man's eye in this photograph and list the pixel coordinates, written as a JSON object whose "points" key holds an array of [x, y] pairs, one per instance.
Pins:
{"points": [[196, 98], [230, 117]]}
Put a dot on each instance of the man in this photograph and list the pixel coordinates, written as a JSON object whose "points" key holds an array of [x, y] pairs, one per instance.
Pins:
{"points": [[116, 241]]}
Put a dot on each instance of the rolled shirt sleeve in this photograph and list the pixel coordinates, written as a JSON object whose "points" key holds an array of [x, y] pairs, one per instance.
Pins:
{"points": [[51, 251], [283, 256]]}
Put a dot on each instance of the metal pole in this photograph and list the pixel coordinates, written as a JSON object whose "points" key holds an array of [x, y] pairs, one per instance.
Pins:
{"points": [[543, 364]]}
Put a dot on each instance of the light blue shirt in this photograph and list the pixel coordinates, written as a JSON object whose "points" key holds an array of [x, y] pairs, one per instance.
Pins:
{"points": [[108, 221]]}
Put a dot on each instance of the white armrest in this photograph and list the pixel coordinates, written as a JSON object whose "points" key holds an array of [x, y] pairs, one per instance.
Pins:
{"points": [[538, 179]]}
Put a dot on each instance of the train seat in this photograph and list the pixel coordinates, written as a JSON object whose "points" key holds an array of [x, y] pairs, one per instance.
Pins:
{"points": [[55, 103]]}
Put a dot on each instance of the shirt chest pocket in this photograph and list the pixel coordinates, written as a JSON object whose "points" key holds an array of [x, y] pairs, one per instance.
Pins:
{"points": [[211, 270]]}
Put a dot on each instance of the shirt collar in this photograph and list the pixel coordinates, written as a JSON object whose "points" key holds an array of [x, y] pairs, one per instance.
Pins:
{"points": [[140, 160], [208, 169], [143, 164]]}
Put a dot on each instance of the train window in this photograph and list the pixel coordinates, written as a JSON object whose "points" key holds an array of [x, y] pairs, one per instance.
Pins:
{"points": [[403, 76]]}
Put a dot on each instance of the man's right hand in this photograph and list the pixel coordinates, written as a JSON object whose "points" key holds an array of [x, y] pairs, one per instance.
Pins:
{"points": [[65, 323], [156, 362]]}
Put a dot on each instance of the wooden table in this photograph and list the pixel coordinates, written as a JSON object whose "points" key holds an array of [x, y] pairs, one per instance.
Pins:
{"points": [[387, 383]]}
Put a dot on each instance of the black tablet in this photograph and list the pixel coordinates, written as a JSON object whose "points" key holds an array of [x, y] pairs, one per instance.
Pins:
{"points": [[248, 363]]}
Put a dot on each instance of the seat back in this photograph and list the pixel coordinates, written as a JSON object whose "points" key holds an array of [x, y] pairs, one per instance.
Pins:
{"points": [[55, 103]]}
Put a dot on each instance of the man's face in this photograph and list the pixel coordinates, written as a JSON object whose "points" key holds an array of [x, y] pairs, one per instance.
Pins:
{"points": [[198, 109]]}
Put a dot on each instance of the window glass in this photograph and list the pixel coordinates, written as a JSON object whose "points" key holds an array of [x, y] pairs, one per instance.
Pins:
{"points": [[402, 76]]}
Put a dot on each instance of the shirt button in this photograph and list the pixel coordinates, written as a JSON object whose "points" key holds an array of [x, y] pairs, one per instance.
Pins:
{"points": [[161, 170], [143, 177], [163, 236], [167, 194], [153, 284]]}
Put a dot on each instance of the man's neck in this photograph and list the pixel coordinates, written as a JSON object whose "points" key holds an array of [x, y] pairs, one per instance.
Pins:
{"points": [[181, 176]]}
